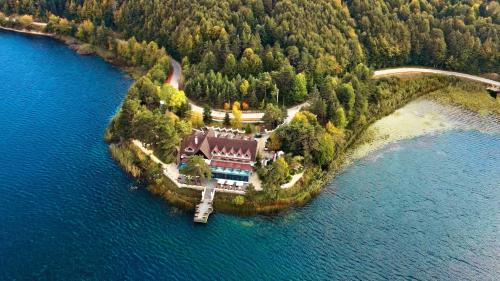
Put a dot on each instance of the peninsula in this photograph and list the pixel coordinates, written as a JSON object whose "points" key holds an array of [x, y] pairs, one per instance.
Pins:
{"points": [[267, 98]]}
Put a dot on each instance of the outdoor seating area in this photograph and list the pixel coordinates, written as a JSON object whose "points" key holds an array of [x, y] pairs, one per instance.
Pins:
{"points": [[231, 185], [182, 179]]}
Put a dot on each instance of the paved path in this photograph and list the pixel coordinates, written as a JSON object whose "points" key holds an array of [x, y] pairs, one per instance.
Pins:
{"points": [[293, 181], [410, 70], [175, 77], [169, 170], [205, 207]]}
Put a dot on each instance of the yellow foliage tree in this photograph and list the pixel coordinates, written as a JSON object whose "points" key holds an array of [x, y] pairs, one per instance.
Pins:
{"points": [[86, 31], [177, 99], [305, 117], [336, 133], [25, 21], [236, 105], [174, 99], [172, 117], [236, 122], [244, 86], [197, 119]]}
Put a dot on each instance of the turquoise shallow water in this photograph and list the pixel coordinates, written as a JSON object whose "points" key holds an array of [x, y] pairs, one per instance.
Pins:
{"points": [[426, 208]]}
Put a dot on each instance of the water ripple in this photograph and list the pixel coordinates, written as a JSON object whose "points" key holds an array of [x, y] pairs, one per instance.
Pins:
{"points": [[421, 209]]}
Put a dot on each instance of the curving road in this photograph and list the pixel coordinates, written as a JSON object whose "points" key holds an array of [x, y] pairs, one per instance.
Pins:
{"points": [[411, 70], [175, 76], [175, 79]]}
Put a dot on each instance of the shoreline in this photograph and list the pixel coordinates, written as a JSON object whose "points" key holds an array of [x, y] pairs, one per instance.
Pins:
{"points": [[28, 32], [301, 193], [75, 45]]}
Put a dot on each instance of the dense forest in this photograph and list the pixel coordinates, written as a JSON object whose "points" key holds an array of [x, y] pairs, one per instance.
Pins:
{"points": [[268, 51], [266, 54]]}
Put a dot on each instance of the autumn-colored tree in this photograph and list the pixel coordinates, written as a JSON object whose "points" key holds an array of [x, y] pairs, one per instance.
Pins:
{"points": [[236, 122], [245, 105], [197, 119], [26, 21]]}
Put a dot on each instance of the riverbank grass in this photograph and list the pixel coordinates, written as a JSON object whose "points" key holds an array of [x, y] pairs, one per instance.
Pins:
{"points": [[467, 95]]}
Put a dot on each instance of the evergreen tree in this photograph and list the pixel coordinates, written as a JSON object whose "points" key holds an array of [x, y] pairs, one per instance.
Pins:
{"points": [[227, 120], [207, 114]]}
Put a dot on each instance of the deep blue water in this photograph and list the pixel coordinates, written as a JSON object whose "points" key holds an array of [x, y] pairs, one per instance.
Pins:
{"points": [[422, 209]]}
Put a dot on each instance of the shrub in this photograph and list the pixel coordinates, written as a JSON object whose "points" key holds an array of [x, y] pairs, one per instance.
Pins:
{"points": [[239, 200]]}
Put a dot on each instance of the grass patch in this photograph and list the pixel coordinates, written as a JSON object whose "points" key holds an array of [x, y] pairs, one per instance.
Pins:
{"points": [[122, 154], [468, 95]]}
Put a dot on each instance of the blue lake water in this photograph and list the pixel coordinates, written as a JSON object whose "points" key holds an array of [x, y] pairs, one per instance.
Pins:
{"points": [[427, 208]]}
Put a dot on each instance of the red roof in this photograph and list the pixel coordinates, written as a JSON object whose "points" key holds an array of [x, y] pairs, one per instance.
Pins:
{"points": [[206, 142], [231, 165]]}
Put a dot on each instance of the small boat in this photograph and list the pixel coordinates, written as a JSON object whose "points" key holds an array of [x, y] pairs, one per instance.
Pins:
{"points": [[133, 187]]}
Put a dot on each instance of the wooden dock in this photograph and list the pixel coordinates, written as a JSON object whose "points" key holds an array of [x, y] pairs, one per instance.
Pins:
{"points": [[205, 208]]}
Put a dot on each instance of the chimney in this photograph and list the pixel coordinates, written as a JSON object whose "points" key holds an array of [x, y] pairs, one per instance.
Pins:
{"points": [[196, 140]]}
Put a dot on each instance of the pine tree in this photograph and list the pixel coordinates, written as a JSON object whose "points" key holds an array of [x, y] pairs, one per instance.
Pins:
{"points": [[227, 120], [207, 115]]}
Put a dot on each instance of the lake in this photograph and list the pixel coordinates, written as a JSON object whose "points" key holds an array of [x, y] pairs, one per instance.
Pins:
{"points": [[425, 208]]}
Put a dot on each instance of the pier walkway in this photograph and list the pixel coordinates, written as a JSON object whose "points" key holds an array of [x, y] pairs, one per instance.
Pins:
{"points": [[205, 208]]}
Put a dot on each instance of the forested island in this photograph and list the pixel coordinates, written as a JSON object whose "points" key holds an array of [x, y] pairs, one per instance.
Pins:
{"points": [[265, 55]]}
